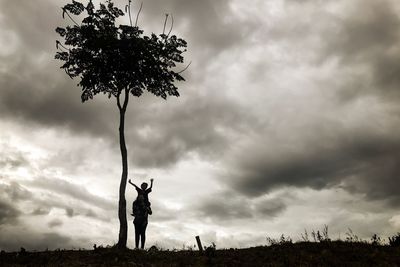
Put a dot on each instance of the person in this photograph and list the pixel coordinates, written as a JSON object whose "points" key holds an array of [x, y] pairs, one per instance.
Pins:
{"points": [[141, 212], [144, 191]]}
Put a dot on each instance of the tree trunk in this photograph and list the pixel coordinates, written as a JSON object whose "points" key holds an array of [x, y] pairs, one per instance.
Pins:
{"points": [[123, 224]]}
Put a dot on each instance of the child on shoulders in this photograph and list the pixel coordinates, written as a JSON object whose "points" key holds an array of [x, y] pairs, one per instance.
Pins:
{"points": [[144, 191]]}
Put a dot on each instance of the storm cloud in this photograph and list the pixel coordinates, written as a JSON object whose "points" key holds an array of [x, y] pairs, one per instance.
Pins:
{"points": [[54, 101], [334, 150], [8, 213], [356, 163]]}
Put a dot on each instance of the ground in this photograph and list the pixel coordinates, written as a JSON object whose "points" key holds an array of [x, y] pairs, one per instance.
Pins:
{"points": [[288, 254]]}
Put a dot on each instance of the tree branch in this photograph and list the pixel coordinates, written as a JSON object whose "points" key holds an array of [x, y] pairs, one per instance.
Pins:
{"points": [[126, 99], [137, 16], [128, 9], [58, 43], [118, 101], [165, 22], [172, 25], [184, 68], [64, 11]]}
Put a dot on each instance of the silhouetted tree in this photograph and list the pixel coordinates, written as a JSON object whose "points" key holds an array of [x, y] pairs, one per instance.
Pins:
{"points": [[118, 61]]}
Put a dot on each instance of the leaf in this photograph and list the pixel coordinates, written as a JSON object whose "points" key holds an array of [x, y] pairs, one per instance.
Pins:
{"points": [[75, 8], [90, 7], [61, 31]]}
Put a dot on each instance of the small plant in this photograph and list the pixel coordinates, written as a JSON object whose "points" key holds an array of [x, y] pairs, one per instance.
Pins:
{"points": [[188, 247], [281, 241], [285, 240], [351, 237], [376, 240], [154, 249], [394, 241], [321, 236], [305, 236], [314, 235], [271, 241], [210, 251], [157, 247], [325, 235]]}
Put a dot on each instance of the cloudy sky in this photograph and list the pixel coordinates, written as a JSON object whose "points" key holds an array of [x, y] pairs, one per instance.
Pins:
{"points": [[289, 119]]}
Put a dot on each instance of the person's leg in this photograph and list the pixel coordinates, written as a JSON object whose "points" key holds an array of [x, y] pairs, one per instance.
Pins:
{"points": [[137, 235], [143, 234]]}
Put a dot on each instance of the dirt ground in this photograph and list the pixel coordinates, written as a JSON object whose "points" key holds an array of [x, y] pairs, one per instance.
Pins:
{"points": [[298, 254]]}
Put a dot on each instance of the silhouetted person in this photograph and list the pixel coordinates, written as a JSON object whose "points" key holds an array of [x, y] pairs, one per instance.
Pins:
{"points": [[141, 211], [144, 191]]}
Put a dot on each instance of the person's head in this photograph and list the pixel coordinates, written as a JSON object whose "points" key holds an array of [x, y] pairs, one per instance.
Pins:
{"points": [[144, 186]]}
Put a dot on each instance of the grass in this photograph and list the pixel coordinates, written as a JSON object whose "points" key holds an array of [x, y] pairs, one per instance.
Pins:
{"points": [[280, 252]]}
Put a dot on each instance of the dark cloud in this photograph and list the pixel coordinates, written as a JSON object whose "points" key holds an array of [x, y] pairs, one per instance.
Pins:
{"points": [[33, 31], [11, 158], [370, 41], [359, 163], [69, 212], [270, 207], [55, 223], [159, 136], [225, 206], [360, 37], [229, 205], [206, 25], [52, 103], [75, 191], [13, 161], [100, 215], [8, 213], [164, 213], [34, 89], [365, 40], [15, 192], [44, 202], [195, 124], [90, 213], [41, 211], [30, 240]]}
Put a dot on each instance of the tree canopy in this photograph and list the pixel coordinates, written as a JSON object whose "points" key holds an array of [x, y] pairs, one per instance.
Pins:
{"points": [[109, 58]]}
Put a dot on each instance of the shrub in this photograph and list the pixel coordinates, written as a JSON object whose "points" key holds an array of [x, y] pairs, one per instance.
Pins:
{"points": [[352, 238], [281, 241], [321, 236], [210, 251], [376, 240], [305, 236], [394, 241]]}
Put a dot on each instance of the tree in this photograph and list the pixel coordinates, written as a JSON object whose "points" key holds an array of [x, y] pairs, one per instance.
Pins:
{"points": [[118, 61]]}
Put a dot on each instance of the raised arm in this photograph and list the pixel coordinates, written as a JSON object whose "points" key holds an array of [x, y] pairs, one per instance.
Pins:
{"points": [[151, 183], [133, 184]]}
